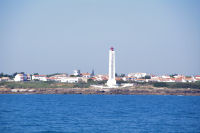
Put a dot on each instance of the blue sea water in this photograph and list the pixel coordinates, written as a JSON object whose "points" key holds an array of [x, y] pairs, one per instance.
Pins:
{"points": [[99, 113]]}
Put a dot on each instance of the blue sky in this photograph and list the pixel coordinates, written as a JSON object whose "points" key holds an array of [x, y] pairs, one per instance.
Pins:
{"points": [[48, 36]]}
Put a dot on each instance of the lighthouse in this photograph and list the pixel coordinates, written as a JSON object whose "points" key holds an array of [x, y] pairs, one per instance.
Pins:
{"points": [[111, 75]]}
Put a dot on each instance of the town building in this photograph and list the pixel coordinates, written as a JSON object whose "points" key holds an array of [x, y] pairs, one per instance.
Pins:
{"points": [[197, 77], [39, 77], [4, 79], [71, 79], [20, 77], [137, 75], [86, 75]]}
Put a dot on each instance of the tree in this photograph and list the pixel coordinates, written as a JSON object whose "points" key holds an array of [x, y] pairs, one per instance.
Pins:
{"points": [[160, 84], [14, 74], [122, 75], [90, 81], [116, 75], [172, 75], [5, 75], [147, 77], [1, 75]]}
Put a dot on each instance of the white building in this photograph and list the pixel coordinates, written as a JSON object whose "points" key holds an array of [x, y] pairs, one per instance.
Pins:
{"points": [[4, 79], [197, 77], [100, 77], [71, 79], [20, 77], [137, 75], [165, 76], [57, 77], [39, 77], [60, 75], [86, 75], [111, 75]]}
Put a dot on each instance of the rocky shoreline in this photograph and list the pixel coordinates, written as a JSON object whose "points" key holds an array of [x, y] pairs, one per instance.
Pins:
{"points": [[104, 91]]}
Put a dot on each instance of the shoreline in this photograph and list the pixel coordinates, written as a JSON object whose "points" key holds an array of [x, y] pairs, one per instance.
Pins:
{"points": [[102, 91]]}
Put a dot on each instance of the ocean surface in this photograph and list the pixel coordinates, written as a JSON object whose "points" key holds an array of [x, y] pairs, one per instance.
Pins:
{"points": [[99, 114]]}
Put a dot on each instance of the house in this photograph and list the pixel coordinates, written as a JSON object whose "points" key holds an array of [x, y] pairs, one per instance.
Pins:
{"points": [[165, 76], [39, 77], [52, 79], [180, 79], [60, 75], [131, 78], [57, 77], [190, 79], [167, 79], [100, 77], [137, 75], [86, 75], [71, 79], [83, 79], [197, 77], [155, 78], [29, 77], [20, 77], [125, 78], [4, 79], [179, 76], [118, 78]]}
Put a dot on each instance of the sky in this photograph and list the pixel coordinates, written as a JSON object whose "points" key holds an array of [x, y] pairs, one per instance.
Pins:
{"points": [[50, 36]]}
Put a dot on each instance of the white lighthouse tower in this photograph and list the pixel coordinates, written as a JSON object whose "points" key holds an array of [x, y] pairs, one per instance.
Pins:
{"points": [[111, 80]]}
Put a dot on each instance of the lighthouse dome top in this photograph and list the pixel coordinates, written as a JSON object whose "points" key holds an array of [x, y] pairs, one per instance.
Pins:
{"points": [[112, 48]]}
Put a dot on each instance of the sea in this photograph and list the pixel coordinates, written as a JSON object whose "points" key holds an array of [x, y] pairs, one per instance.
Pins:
{"points": [[34, 113]]}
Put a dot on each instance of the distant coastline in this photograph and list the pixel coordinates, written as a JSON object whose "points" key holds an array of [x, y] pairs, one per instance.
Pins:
{"points": [[112, 91]]}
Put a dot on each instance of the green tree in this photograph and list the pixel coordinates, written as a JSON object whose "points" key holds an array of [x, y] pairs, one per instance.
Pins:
{"points": [[160, 84], [1, 74], [122, 75], [36, 74], [147, 77], [14, 74]]}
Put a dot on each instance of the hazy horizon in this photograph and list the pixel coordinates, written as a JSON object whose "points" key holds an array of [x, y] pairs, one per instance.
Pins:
{"points": [[156, 37]]}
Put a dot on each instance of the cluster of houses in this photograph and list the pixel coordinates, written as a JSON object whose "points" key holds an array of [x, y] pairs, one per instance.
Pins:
{"points": [[84, 77], [144, 77], [57, 78]]}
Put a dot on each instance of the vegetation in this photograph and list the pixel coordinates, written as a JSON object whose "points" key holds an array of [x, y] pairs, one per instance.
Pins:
{"points": [[147, 77], [173, 75], [92, 82], [36, 74], [9, 75], [5, 75], [40, 84], [195, 85], [160, 84], [48, 84]]}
